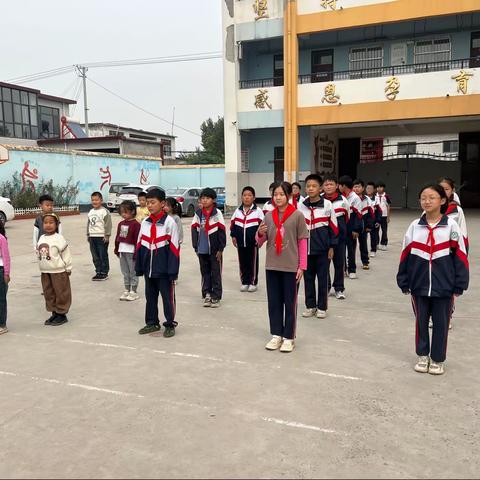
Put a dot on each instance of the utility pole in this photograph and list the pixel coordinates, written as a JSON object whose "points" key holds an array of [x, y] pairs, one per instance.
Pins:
{"points": [[82, 72], [173, 120]]}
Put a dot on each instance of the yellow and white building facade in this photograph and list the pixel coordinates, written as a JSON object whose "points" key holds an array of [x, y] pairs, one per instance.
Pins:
{"points": [[383, 89]]}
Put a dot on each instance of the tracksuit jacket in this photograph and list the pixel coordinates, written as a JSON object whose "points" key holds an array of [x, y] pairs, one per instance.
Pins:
{"points": [[368, 212], [244, 226], [355, 221], [341, 208], [455, 212], [217, 239]]}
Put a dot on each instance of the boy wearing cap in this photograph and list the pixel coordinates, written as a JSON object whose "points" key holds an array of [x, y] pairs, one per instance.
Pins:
{"points": [[209, 241]]}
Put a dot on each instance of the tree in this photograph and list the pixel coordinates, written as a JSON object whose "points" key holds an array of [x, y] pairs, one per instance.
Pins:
{"points": [[213, 140]]}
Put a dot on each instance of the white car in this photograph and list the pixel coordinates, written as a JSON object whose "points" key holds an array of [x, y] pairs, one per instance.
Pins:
{"points": [[7, 212], [113, 193], [130, 192]]}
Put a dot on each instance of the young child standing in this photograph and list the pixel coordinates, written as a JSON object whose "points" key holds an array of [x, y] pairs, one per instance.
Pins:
{"points": [[243, 227], [55, 262], [296, 194], [158, 261], [209, 240], [99, 230], [371, 191], [323, 237], [368, 219], [125, 243], [46, 205], [434, 270], [173, 208], [142, 209], [269, 205], [286, 234], [4, 278], [384, 203]]}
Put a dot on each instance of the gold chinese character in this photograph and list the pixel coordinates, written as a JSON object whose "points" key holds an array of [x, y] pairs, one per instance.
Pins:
{"points": [[393, 88], [330, 96], [260, 7], [261, 100], [329, 3], [462, 81]]}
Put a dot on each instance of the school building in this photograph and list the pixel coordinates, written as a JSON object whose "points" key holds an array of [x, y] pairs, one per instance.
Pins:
{"points": [[384, 89]]}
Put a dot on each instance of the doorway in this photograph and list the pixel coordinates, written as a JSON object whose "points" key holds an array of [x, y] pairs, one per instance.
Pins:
{"points": [[322, 66], [278, 163], [469, 155], [475, 50], [349, 156]]}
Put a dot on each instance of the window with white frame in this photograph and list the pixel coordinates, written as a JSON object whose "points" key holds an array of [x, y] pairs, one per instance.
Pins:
{"points": [[433, 50], [245, 160], [362, 58]]}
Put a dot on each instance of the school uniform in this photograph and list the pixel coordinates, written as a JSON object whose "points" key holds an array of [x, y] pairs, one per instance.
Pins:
{"points": [[323, 232], [374, 233], [455, 212], [158, 261], [243, 227], [296, 200], [268, 206], [209, 238], [355, 224], [341, 209], [383, 201], [368, 214], [433, 268]]}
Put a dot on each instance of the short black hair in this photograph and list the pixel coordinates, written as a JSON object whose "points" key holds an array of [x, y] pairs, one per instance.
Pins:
{"points": [[45, 198], [358, 181], [142, 194], [129, 206], [381, 184], [208, 193], [285, 186], [97, 194], [315, 177], [346, 180], [156, 193], [330, 177], [373, 184], [440, 190], [296, 184], [248, 189]]}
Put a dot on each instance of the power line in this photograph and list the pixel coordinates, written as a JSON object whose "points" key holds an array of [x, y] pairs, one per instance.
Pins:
{"points": [[41, 75]]}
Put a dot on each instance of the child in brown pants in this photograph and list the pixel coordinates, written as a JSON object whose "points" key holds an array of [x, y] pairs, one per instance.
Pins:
{"points": [[55, 262]]}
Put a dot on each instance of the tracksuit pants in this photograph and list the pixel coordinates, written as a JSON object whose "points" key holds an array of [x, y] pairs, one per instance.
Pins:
{"points": [[339, 267], [282, 291], [384, 227], [211, 270], [317, 269], [127, 267], [99, 251], [374, 239], [248, 260], [351, 253], [3, 299], [440, 310], [166, 288], [57, 292], [363, 244]]}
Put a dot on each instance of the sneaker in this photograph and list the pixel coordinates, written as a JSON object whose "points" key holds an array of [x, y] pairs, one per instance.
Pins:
{"points": [[124, 295], [436, 368], [340, 295], [422, 364], [373, 254], [207, 302], [132, 296], [252, 288], [102, 277], [275, 343], [366, 267], [169, 332], [287, 346], [48, 321], [383, 247], [321, 314], [309, 312], [430, 324], [244, 288], [59, 319], [352, 276], [96, 278], [3, 330], [149, 329], [215, 303]]}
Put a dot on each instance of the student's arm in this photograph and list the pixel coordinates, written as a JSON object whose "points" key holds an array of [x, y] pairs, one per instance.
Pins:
{"points": [[222, 235], [333, 230], [194, 229], [6, 258], [460, 260], [60, 228], [402, 275], [389, 207], [88, 228], [117, 240], [108, 225], [36, 231], [67, 257], [174, 254]]}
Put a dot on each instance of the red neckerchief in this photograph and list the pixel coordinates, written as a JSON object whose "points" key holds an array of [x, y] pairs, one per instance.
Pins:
{"points": [[245, 213], [207, 215], [333, 197], [279, 224], [431, 239], [451, 208], [153, 227], [295, 200]]}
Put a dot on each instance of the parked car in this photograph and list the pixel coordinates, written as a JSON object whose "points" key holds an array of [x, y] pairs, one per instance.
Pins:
{"points": [[113, 193], [187, 198], [131, 191], [7, 212], [220, 191]]}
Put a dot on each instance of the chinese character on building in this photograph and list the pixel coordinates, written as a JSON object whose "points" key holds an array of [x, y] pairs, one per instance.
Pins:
{"points": [[330, 96], [328, 3], [393, 88], [462, 81], [261, 100], [260, 7]]}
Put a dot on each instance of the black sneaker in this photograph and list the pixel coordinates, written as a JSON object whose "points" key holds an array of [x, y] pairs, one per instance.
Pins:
{"points": [[102, 277], [169, 332], [59, 319], [49, 320], [149, 329], [97, 277]]}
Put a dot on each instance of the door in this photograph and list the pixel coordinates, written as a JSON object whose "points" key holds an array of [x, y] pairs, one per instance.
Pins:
{"points": [[398, 54], [349, 156], [475, 50], [278, 163], [322, 66], [469, 155], [278, 70]]}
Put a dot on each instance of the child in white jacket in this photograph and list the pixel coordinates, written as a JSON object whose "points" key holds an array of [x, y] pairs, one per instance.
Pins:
{"points": [[55, 262]]}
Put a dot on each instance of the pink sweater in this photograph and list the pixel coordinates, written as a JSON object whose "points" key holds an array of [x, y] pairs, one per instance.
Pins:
{"points": [[302, 249], [4, 255]]}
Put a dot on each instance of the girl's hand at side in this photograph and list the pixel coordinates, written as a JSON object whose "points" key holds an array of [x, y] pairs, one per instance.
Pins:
{"points": [[262, 229], [299, 275], [330, 253], [6, 279], [234, 241]]}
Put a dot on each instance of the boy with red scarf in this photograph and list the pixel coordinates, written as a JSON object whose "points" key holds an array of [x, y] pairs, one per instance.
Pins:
{"points": [[209, 240], [297, 197]]}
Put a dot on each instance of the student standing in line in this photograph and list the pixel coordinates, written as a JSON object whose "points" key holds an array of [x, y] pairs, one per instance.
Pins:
{"points": [[297, 197], [4, 278], [99, 230], [368, 220], [269, 204], [286, 234], [371, 190], [142, 209], [434, 270], [173, 208], [323, 237], [46, 205], [243, 227], [384, 202]]}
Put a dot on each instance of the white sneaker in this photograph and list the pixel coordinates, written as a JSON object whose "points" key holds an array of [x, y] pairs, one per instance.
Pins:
{"points": [[340, 295], [252, 288], [436, 368], [3, 330], [207, 301], [309, 312], [383, 247], [422, 364], [124, 295], [244, 288], [287, 346], [132, 296], [373, 254], [321, 314], [352, 276], [275, 343]]}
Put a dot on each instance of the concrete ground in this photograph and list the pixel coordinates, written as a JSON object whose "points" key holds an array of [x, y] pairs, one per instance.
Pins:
{"points": [[93, 399]]}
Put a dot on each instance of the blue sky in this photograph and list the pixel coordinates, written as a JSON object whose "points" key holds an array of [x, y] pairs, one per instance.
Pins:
{"points": [[38, 36]]}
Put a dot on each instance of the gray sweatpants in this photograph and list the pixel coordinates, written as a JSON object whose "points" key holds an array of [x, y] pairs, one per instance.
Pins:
{"points": [[127, 266]]}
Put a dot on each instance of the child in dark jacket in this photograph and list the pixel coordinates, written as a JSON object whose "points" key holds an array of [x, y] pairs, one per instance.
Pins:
{"points": [[157, 260], [434, 270], [125, 243], [243, 227], [209, 241]]}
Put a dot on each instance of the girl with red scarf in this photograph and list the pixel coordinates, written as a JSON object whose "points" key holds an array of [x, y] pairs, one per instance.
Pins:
{"points": [[296, 198], [285, 231]]}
